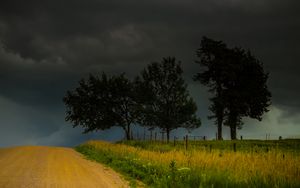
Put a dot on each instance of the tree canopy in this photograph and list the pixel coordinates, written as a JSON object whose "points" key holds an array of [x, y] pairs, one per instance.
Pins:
{"points": [[159, 98], [214, 60], [167, 103], [246, 93], [102, 102], [237, 81]]}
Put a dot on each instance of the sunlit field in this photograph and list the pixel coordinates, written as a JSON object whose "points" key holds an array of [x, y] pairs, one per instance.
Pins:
{"points": [[202, 163]]}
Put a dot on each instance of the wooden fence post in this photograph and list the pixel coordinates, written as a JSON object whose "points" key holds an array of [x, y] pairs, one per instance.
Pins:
{"points": [[234, 147], [186, 142]]}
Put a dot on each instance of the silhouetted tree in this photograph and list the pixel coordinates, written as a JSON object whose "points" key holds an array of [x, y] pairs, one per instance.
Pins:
{"points": [[102, 102], [238, 82], [214, 59], [246, 93], [166, 101]]}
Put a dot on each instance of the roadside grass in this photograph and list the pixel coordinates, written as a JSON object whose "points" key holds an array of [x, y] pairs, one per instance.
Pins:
{"points": [[173, 167]]}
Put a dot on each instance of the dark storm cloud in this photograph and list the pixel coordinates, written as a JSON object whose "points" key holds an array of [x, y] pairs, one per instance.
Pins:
{"points": [[47, 46], [59, 27]]}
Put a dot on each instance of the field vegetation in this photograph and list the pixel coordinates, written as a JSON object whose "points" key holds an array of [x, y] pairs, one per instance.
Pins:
{"points": [[202, 163]]}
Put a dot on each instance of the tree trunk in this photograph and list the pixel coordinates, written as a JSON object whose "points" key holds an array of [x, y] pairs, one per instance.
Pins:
{"points": [[127, 132], [168, 135], [220, 123], [233, 131], [232, 124], [220, 131], [127, 135], [220, 112]]}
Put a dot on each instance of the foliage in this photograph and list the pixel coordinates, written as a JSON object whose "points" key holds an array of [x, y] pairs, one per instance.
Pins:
{"points": [[102, 102], [167, 103], [238, 82], [246, 91], [214, 60]]}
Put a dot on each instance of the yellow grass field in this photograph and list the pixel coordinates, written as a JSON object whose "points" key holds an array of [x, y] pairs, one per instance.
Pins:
{"points": [[273, 166], [47, 167]]}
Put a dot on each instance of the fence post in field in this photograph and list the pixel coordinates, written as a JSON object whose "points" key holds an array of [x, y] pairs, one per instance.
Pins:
{"points": [[210, 148], [204, 137], [150, 135], [186, 142], [162, 136], [241, 137], [234, 147]]}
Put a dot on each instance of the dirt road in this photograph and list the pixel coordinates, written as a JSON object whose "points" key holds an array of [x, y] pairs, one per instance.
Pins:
{"points": [[47, 167]]}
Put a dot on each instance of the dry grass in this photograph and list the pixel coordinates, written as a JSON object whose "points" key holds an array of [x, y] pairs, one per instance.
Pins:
{"points": [[272, 166]]}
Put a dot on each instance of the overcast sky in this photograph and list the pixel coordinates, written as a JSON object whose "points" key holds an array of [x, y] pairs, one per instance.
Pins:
{"points": [[46, 46]]}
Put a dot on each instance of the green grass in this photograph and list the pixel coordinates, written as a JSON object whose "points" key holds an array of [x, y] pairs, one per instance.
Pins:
{"points": [[159, 176], [172, 176], [129, 166]]}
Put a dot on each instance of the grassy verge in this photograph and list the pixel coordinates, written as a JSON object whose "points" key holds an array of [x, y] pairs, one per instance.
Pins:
{"points": [[178, 169]]}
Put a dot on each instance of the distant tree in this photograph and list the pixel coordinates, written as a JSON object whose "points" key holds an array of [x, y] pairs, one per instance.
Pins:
{"points": [[238, 82], [213, 59], [166, 101], [102, 102]]}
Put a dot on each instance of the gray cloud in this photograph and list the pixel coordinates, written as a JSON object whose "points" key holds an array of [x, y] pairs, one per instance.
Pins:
{"points": [[23, 124], [276, 123], [47, 46]]}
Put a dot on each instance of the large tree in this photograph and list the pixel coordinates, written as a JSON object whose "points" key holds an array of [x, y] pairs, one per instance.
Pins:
{"points": [[238, 83], [167, 103], [102, 102], [246, 93], [213, 60]]}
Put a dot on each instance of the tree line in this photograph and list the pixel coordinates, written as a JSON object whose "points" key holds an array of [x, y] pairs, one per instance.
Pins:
{"points": [[158, 96]]}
